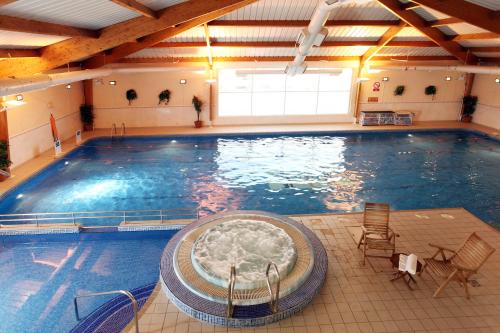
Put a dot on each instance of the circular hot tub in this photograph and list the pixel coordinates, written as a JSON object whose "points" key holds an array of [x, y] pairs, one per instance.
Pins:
{"points": [[196, 264], [248, 245]]}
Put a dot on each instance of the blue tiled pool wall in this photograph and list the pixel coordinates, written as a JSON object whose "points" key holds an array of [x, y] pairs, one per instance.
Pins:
{"points": [[41, 274], [114, 315], [244, 316], [188, 180]]}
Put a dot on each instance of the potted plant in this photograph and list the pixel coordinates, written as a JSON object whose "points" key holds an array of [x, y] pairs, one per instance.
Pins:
{"points": [[469, 107], [4, 160], [431, 90], [164, 96], [87, 116], [399, 90], [131, 95], [197, 107]]}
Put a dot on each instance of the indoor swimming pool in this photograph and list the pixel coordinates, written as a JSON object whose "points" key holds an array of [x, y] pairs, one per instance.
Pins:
{"points": [[285, 174], [42, 274]]}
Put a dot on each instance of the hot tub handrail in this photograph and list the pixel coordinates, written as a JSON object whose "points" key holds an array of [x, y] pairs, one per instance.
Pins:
{"points": [[230, 292], [124, 292], [273, 302], [113, 130]]}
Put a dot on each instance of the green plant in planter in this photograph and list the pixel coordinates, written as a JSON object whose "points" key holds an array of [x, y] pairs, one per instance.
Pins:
{"points": [[131, 95], [164, 96], [87, 116], [431, 90], [197, 104], [4, 155], [399, 90], [469, 107]]}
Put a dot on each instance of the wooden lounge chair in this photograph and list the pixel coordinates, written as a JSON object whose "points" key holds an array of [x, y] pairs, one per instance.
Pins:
{"points": [[376, 232], [462, 263]]}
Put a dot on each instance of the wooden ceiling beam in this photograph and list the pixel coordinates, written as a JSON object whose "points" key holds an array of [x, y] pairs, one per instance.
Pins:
{"points": [[18, 53], [136, 7], [409, 6], [485, 49], [479, 35], [259, 44], [300, 23], [173, 60], [433, 34], [77, 48], [16, 24], [445, 22], [469, 12], [6, 2], [382, 42], [126, 49]]}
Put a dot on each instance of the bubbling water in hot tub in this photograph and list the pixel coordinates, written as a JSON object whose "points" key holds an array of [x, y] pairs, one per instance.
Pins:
{"points": [[249, 245]]}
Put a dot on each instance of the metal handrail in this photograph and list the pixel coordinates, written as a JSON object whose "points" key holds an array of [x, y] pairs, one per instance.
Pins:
{"points": [[124, 292], [230, 292], [113, 130], [273, 302], [124, 216], [122, 131]]}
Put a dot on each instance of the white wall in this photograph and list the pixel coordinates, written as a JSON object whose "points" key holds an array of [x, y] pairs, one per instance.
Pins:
{"points": [[29, 128], [111, 105], [445, 105], [488, 107]]}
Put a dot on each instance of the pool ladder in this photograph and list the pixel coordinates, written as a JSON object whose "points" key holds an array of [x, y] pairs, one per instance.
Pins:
{"points": [[114, 131], [123, 292], [274, 297]]}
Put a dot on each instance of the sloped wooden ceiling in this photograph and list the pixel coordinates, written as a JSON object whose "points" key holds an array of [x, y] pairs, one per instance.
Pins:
{"points": [[264, 30]]}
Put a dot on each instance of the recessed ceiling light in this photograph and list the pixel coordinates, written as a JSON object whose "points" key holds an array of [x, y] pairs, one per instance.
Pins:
{"points": [[497, 80], [183, 81], [385, 78], [112, 83], [19, 97], [68, 86], [448, 78]]}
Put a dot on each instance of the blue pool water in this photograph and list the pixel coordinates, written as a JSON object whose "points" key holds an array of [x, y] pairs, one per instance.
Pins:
{"points": [[286, 174], [40, 275]]}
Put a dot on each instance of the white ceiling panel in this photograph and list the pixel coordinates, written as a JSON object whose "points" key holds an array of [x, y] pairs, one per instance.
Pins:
{"points": [[461, 28], [303, 10], [409, 32], [490, 4], [90, 14], [413, 51], [11, 39], [479, 42], [160, 4]]}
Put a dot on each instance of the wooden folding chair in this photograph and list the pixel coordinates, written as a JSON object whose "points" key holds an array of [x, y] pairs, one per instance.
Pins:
{"points": [[376, 232], [462, 263]]}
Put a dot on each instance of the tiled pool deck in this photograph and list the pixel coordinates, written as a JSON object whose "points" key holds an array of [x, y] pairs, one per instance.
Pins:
{"points": [[25, 170], [359, 298]]}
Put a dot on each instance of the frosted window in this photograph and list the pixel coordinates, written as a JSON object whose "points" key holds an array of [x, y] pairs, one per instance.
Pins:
{"points": [[269, 82], [230, 81], [268, 104], [333, 102], [304, 82], [335, 81], [301, 102], [235, 104], [254, 94]]}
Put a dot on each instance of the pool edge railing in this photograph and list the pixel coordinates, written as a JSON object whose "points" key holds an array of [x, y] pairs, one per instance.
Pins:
{"points": [[111, 218]]}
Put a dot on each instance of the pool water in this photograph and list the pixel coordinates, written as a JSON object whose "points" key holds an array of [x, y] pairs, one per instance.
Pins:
{"points": [[285, 174], [40, 275]]}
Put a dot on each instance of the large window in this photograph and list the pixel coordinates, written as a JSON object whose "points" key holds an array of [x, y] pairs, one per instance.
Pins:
{"points": [[254, 94]]}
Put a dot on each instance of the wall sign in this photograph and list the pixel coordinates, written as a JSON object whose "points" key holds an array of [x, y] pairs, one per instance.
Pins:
{"points": [[376, 86], [372, 99], [78, 137], [57, 147]]}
